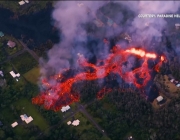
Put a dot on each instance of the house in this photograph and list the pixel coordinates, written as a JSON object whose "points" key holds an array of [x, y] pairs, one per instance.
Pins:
{"points": [[26, 118], [26, 1], [14, 75], [159, 98], [65, 108], [1, 73], [69, 122], [14, 124], [11, 44], [21, 2], [177, 25], [75, 122], [1, 34], [110, 22]]}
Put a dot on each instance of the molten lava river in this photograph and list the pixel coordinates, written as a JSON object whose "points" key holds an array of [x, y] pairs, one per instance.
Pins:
{"points": [[60, 94]]}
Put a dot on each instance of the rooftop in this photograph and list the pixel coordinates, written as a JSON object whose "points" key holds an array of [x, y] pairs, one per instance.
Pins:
{"points": [[14, 124], [11, 44], [159, 98], [1, 34], [21, 2], [65, 108], [75, 122]]}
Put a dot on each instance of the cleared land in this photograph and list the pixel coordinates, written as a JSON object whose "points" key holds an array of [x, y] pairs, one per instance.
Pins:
{"points": [[24, 62], [32, 75]]}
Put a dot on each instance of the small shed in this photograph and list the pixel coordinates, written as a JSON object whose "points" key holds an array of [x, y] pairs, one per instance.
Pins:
{"points": [[14, 124], [69, 122], [159, 98]]}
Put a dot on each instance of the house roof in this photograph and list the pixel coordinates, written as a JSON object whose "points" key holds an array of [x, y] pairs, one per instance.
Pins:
{"points": [[65, 108], [75, 122], [69, 122], [11, 44], [14, 124], [26, 118], [159, 98], [21, 2], [1, 34], [26, 1], [12, 74]]}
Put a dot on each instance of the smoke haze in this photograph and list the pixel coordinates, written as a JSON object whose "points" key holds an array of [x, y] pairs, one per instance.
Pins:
{"points": [[69, 17]]}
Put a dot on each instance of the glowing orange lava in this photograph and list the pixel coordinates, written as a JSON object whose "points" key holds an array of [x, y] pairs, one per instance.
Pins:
{"points": [[61, 93]]}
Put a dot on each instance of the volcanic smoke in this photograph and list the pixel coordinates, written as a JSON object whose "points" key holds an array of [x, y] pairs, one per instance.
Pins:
{"points": [[61, 94]]}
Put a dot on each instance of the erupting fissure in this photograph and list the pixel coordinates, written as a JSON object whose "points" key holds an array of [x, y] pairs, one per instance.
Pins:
{"points": [[60, 94]]}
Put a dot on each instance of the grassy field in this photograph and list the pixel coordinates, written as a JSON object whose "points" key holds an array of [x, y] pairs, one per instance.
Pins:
{"points": [[26, 107], [24, 62], [32, 75], [85, 128]]}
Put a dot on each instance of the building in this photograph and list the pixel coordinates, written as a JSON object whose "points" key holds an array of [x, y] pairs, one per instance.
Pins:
{"points": [[14, 124], [26, 1], [14, 75], [177, 25], [1, 34], [69, 122], [26, 118], [110, 22], [11, 44], [21, 2], [159, 98], [65, 108], [75, 122], [1, 73]]}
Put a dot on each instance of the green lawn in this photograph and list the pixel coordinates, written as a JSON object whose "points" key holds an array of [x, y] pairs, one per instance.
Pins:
{"points": [[85, 128], [26, 107], [24, 62], [32, 75]]}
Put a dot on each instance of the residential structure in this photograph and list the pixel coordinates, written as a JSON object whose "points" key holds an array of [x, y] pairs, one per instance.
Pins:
{"points": [[14, 75], [177, 25], [1, 34], [69, 122], [75, 122], [26, 118], [11, 44], [1, 73], [21, 2], [65, 108], [14, 124]]}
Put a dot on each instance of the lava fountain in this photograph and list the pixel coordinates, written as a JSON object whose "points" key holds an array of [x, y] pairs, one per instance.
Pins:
{"points": [[60, 94]]}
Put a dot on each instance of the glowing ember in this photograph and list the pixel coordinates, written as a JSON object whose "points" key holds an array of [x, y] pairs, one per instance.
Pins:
{"points": [[61, 94]]}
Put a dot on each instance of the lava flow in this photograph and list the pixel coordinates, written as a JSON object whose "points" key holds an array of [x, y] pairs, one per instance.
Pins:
{"points": [[60, 94]]}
